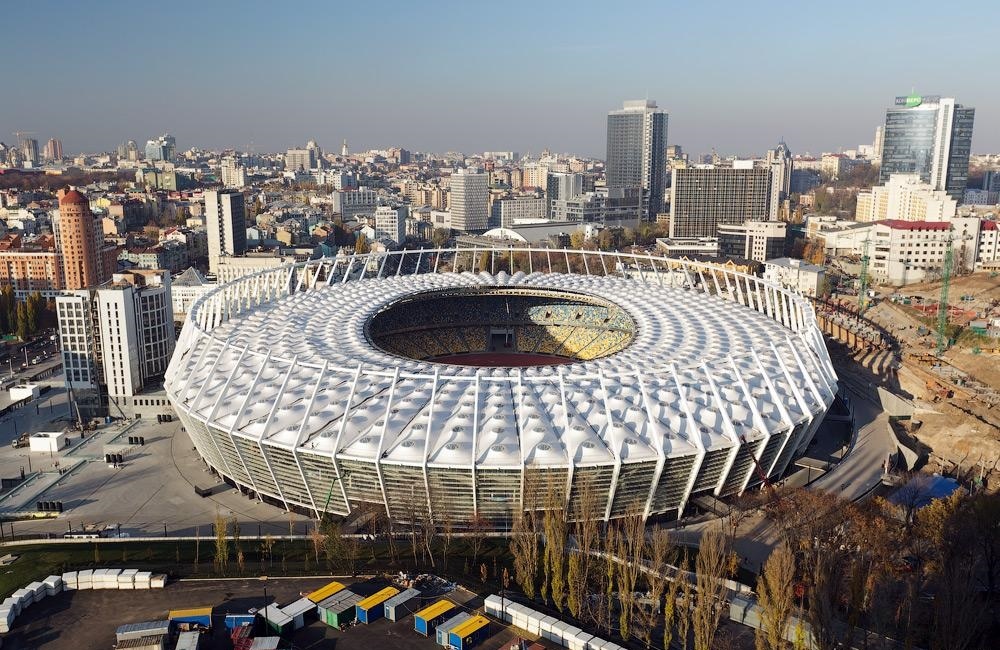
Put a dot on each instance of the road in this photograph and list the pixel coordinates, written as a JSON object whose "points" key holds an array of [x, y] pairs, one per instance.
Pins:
{"points": [[853, 478]]}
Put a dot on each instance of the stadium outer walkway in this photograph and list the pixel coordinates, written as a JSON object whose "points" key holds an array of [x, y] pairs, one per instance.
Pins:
{"points": [[856, 476]]}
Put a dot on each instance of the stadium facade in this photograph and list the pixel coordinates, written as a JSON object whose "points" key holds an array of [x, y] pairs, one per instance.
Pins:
{"points": [[343, 381]]}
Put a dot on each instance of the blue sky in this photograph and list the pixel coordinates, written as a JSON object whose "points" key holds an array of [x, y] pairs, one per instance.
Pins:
{"points": [[473, 76]]}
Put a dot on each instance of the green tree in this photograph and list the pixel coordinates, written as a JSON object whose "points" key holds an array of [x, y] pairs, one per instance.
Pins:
{"points": [[440, 237], [23, 325]]}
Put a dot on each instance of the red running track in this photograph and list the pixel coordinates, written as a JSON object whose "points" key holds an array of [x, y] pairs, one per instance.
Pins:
{"points": [[502, 359]]}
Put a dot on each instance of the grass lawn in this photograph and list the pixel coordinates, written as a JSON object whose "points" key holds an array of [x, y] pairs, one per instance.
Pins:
{"points": [[285, 557]]}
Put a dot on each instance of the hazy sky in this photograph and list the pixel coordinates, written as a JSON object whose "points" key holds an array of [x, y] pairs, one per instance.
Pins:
{"points": [[473, 76]]}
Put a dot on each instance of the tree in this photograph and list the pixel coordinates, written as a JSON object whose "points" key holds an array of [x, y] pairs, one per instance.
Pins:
{"points": [[23, 327], [576, 239], [440, 237], [685, 613], [221, 558], [630, 549], [555, 553], [670, 609], [657, 558], [316, 537], [236, 543], [712, 567], [478, 527], [776, 599], [361, 245], [524, 548]]}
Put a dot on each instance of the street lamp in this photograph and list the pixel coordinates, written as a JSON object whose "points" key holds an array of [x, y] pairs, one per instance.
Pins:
{"points": [[264, 580]]}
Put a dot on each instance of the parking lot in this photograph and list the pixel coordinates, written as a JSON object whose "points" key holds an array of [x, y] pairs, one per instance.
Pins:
{"points": [[88, 619]]}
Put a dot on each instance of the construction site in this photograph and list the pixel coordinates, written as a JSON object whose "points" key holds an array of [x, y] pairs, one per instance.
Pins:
{"points": [[937, 346]]}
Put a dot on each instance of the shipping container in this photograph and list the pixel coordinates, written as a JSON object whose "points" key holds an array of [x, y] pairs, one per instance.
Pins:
{"points": [[470, 633], [301, 612], [265, 643], [400, 605], [188, 641], [191, 616], [154, 642], [338, 610], [372, 608], [139, 630], [276, 619], [441, 633], [325, 592], [428, 618], [233, 621]]}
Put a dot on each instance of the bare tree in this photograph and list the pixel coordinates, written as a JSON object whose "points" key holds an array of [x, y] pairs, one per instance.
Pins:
{"points": [[776, 599], [316, 537], [478, 527], [712, 567], [657, 557], [428, 532], [447, 537]]}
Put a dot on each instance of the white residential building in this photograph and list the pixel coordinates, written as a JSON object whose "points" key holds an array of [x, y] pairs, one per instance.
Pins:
{"points": [[907, 198], [390, 223], [116, 341], [795, 274], [233, 174]]}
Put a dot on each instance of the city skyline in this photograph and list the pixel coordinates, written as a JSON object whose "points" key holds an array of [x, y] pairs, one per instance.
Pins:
{"points": [[445, 80]]}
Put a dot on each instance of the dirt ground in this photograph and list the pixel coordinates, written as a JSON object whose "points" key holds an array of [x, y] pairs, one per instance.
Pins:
{"points": [[81, 620]]}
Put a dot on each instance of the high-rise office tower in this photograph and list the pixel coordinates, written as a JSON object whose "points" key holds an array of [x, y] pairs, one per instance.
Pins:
{"points": [[468, 201], [53, 149], [877, 144], [80, 241], [226, 226], [637, 141], [162, 148], [779, 161], [29, 149], [930, 136]]}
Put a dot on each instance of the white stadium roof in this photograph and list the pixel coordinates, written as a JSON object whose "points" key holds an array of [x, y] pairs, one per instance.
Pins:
{"points": [[298, 372]]}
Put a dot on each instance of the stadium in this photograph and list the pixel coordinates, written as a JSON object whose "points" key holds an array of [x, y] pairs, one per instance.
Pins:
{"points": [[459, 385]]}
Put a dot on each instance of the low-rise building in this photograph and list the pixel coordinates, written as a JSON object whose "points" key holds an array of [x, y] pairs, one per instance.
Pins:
{"points": [[796, 274]]}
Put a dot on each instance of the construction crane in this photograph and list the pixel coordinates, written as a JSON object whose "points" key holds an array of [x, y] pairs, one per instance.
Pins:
{"points": [[20, 136], [863, 279], [942, 315]]}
